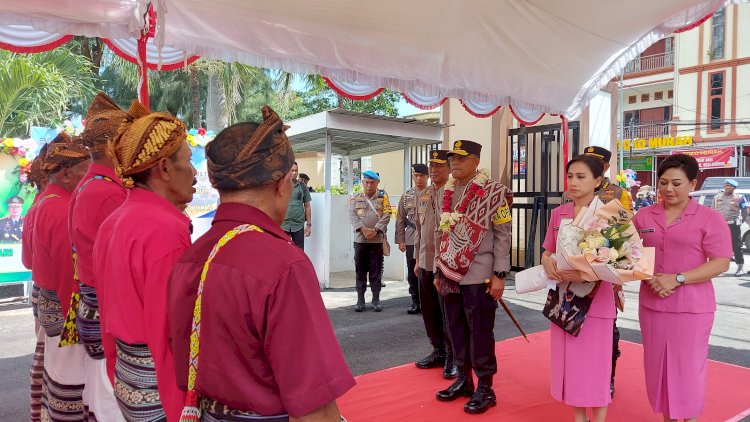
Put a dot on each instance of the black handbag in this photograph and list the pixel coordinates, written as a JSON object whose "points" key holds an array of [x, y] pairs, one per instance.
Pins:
{"points": [[568, 305]]}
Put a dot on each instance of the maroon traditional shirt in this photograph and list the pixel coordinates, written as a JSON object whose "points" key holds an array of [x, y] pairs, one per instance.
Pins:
{"points": [[27, 255], [92, 201], [266, 342], [135, 250], [53, 264]]}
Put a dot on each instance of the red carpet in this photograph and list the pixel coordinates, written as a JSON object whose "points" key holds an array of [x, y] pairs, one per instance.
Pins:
{"points": [[406, 393]]}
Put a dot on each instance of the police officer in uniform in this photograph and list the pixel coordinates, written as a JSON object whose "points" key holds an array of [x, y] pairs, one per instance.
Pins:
{"points": [[369, 212], [606, 193], [426, 243], [733, 206], [472, 264], [609, 190], [11, 227], [406, 227]]}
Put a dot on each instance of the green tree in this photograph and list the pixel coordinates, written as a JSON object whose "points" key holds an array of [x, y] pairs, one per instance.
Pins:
{"points": [[36, 89]]}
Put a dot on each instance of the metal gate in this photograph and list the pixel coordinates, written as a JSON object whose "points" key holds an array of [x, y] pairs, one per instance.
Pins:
{"points": [[537, 185]]}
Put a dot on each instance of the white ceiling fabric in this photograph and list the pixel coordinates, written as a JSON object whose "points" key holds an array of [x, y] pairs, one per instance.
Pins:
{"points": [[540, 56]]}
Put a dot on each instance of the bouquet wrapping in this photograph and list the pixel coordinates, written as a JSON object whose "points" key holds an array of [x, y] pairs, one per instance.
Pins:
{"points": [[602, 244]]}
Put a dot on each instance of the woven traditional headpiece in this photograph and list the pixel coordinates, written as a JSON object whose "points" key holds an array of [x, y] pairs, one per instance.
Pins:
{"points": [[62, 153], [36, 172], [102, 122], [143, 139], [266, 156]]}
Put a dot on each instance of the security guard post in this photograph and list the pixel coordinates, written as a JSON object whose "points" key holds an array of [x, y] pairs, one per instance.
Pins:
{"points": [[11, 227], [426, 242], [369, 212], [472, 264], [405, 228]]}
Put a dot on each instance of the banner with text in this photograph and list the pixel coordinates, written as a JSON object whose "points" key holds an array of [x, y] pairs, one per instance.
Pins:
{"points": [[639, 163], [713, 158]]}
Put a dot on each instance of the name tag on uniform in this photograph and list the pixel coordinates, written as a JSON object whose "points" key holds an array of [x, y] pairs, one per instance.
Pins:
{"points": [[502, 215], [556, 229], [646, 230]]}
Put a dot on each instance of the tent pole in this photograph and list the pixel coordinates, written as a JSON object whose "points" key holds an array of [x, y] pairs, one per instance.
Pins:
{"points": [[621, 117]]}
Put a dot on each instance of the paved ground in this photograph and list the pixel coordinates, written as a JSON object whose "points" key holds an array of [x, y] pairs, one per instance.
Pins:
{"points": [[373, 341]]}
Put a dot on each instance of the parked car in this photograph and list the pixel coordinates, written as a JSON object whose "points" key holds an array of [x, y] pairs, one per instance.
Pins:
{"points": [[715, 185]]}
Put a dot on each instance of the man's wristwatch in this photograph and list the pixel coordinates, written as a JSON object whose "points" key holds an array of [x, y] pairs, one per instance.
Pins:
{"points": [[500, 274], [308, 224], [681, 279]]}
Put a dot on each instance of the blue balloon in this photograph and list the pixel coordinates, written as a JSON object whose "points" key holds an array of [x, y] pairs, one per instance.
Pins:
{"points": [[193, 132]]}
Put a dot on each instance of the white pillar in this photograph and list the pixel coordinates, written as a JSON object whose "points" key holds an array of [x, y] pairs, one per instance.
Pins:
{"points": [[407, 167], [326, 270]]}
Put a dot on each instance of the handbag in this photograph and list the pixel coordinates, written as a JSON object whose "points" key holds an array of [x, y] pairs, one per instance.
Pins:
{"points": [[568, 304], [386, 245]]}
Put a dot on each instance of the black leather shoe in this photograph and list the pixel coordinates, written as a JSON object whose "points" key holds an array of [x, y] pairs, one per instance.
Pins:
{"points": [[436, 359], [463, 386], [376, 302], [359, 307], [413, 309], [449, 370], [482, 400]]}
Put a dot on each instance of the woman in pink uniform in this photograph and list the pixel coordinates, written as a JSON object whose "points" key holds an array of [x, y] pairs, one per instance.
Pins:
{"points": [[677, 306], [581, 365]]}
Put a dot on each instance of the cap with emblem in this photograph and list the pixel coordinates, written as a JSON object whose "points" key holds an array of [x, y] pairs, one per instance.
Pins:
{"points": [[731, 182], [439, 156], [464, 147], [420, 168], [14, 200], [598, 152], [369, 174]]}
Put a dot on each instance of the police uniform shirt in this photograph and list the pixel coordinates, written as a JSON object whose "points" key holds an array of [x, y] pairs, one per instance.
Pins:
{"points": [[407, 217], [730, 206], [610, 191], [427, 235], [362, 214], [11, 231], [493, 253]]}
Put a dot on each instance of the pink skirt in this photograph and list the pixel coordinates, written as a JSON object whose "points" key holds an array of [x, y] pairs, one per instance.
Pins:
{"points": [[581, 367], [675, 360]]}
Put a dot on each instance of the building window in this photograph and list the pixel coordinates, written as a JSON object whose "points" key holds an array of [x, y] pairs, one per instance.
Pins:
{"points": [[716, 100], [631, 99], [658, 95], [670, 94], [717, 36], [644, 98]]}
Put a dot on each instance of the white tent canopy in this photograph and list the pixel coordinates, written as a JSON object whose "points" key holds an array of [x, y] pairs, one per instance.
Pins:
{"points": [[539, 56]]}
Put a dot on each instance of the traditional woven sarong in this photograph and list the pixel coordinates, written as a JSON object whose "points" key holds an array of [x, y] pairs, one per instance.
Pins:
{"points": [[37, 375], [35, 300], [61, 403], [135, 384], [50, 313], [214, 411], [88, 324]]}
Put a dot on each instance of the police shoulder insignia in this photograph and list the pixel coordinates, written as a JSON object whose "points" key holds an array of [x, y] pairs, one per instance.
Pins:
{"points": [[502, 215]]}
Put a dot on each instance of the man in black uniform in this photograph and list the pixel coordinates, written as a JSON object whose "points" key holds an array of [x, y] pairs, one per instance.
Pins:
{"points": [[11, 227], [406, 225], [606, 193]]}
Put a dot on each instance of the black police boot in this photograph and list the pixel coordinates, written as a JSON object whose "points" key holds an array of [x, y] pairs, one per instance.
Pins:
{"points": [[360, 306], [435, 359], [449, 369], [483, 398], [376, 302], [463, 386], [414, 308]]}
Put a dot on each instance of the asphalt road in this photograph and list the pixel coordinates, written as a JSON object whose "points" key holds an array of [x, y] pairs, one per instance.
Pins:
{"points": [[373, 341]]}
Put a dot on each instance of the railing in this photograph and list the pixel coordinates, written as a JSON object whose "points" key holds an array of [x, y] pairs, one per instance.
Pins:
{"points": [[647, 131], [655, 61]]}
